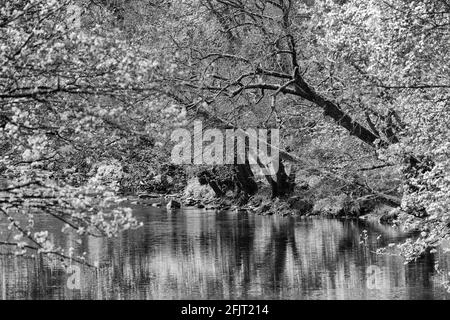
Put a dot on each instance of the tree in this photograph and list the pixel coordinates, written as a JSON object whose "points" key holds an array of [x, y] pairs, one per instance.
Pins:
{"points": [[395, 53], [377, 69], [68, 96]]}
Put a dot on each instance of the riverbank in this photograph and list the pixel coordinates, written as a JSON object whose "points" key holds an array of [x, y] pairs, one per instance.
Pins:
{"points": [[304, 201]]}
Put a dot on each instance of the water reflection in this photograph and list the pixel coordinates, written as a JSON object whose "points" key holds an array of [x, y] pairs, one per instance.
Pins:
{"points": [[197, 254]]}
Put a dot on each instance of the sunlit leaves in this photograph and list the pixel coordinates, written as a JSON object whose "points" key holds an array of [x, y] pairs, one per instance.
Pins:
{"points": [[69, 98]]}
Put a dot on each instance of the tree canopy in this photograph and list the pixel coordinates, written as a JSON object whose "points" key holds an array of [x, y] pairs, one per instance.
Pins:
{"points": [[89, 107]]}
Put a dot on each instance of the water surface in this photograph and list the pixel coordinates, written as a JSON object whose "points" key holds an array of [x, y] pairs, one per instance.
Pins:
{"points": [[198, 254]]}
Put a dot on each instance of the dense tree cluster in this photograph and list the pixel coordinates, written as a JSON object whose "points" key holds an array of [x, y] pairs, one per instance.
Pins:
{"points": [[359, 91]]}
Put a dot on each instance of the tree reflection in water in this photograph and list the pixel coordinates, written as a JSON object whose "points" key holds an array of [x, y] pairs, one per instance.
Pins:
{"points": [[198, 254]]}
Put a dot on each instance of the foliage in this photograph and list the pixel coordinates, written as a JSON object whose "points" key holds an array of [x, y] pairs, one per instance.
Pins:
{"points": [[396, 54], [71, 98], [359, 91]]}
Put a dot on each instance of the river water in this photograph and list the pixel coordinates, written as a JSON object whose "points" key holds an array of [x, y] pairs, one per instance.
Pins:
{"points": [[198, 254]]}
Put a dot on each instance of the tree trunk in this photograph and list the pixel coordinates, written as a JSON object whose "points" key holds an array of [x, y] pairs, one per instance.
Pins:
{"points": [[217, 190], [281, 186], [344, 120], [244, 179], [336, 113]]}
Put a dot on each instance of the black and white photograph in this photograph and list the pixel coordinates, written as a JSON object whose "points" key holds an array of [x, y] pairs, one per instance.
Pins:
{"points": [[224, 154]]}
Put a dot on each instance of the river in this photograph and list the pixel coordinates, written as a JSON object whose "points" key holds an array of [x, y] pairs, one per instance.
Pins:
{"points": [[199, 254]]}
